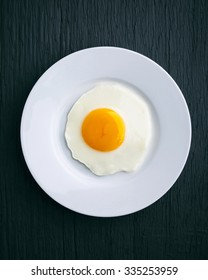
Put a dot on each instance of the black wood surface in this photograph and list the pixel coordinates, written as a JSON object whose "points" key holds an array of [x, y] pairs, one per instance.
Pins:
{"points": [[34, 35]]}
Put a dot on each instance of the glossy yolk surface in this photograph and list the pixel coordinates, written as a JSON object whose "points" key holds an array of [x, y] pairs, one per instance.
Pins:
{"points": [[103, 130]]}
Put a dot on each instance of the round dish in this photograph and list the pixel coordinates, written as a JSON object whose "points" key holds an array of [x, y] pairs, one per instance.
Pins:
{"points": [[68, 181]]}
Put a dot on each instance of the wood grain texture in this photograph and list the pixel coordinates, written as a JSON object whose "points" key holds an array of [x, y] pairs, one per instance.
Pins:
{"points": [[34, 35]]}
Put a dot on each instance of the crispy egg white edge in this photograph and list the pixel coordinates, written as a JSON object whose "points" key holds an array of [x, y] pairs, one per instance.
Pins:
{"points": [[136, 116]]}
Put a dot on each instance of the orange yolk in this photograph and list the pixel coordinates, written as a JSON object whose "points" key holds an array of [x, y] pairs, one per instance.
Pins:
{"points": [[103, 130]]}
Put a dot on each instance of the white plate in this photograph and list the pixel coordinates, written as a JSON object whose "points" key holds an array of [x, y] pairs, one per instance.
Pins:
{"points": [[68, 181]]}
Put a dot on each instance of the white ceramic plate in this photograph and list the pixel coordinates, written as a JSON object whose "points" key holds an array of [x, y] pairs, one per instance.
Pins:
{"points": [[69, 182]]}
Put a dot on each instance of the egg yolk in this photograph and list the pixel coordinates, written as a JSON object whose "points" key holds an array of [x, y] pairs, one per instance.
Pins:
{"points": [[103, 130]]}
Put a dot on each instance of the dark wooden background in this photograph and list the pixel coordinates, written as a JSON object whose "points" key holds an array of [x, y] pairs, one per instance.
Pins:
{"points": [[34, 35]]}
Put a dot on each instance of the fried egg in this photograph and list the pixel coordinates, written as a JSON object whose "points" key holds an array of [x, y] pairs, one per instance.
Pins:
{"points": [[109, 129]]}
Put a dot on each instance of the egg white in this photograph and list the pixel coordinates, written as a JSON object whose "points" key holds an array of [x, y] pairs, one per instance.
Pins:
{"points": [[136, 115]]}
